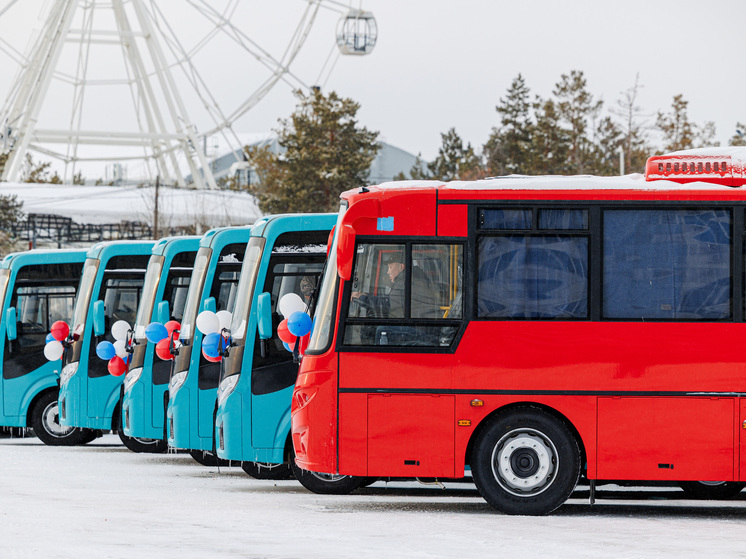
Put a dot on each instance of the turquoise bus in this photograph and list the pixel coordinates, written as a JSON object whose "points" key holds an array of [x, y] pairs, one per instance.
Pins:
{"points": [[164, 296], [109, 291], [285, 255], [194, 381], [37, 288]]}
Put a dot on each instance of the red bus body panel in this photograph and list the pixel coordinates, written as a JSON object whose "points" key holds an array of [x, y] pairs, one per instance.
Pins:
{"points": [[635, 392]]}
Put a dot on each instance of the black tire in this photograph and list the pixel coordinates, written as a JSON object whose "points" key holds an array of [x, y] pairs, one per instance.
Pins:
{"points": [[540, 462], [711, 490], [207, 458], [45, 421], [91, 435], [326, 484], [149, 446], [263, 470]]}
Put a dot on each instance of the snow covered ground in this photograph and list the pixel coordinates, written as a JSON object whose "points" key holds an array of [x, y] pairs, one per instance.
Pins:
{"points": [[102, 500]]}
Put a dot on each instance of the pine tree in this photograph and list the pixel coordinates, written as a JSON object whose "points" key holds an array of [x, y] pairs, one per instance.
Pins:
{"points": [[548, 154], [507, 149], [10, 214], [739, 138], [606, 143], [678, 132], [575, 107], [455, 161], [326, 153]]}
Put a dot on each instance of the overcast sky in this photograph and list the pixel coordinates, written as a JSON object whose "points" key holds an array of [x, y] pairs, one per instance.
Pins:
{"points": [[440, 64]]}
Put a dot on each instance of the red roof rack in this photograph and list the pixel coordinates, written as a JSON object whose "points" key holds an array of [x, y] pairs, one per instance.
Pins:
{"points": [[695, 166]]}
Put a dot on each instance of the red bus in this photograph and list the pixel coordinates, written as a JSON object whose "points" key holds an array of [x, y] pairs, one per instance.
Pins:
{"points": [[535, 329]]}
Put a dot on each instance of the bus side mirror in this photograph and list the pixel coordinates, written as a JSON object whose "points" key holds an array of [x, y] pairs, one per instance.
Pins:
{"points": [[264, 315], [10, 323], [209, 304], [345, 251], [164, 313], [99, 322]]}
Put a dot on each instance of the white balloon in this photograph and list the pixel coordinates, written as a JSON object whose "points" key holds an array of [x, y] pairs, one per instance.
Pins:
{"points": [[225, 318], [208, 322], [120, 346], [53, 350], [290, 303], [119, 330]]}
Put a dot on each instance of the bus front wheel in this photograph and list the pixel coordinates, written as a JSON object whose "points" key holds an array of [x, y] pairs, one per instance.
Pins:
{"points": [[711, 490], [45, 421], [137, 444], [526, 461], [264, 470], [326, 484]]}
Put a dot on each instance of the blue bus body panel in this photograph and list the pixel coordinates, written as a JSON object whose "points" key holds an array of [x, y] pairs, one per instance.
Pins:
{"points": [[190, 412], [19, 393], [143, 402], [250, 427], [87, 401]]}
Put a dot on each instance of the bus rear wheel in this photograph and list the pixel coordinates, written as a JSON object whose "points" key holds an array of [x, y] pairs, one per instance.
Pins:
{"points": [[45, 421], [526, 461], [264, 470], [326, 484], [711, 490]]}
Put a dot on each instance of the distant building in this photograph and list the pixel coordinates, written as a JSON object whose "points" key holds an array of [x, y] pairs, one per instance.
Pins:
{"points": [[389, 162]]}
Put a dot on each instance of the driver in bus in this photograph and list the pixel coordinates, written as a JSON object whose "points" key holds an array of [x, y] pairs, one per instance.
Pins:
{"points": [[392, 304]]}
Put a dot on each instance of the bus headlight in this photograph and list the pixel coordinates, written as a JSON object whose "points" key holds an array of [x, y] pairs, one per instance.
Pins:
{"points": [[226, 387], [131, 378], [176, 381], [68, 371]]}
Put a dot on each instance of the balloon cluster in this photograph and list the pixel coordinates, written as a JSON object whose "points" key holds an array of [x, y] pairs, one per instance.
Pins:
{"points": [[216, 329], [165, 337], [295, 328], [119, 353], [55, 348]]}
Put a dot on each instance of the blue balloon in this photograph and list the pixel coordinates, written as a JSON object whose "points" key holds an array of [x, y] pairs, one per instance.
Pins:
{"points": [[299, 324], [211, 344], [155, 332], [49, 338], [105, 350], [287, 346]]}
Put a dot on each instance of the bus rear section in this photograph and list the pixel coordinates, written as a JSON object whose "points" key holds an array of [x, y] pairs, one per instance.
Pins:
{"points": [[37, 288], [163, 299], [110, 288], [190, 411], [556, 325], [285, 255]]}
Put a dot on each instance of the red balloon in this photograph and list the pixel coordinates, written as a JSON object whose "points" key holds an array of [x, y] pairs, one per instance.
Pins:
{"points": [[117, 366], [163, 350], [172, 325], [284, 334], [211, 359], [59, 330]]}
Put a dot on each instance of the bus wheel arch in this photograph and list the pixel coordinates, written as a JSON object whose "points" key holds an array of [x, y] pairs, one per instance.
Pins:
{"points": [[43, 417], [525, 459]]}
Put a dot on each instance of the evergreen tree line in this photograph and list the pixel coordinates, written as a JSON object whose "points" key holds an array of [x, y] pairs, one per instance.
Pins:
{"points": [[568, 133]]}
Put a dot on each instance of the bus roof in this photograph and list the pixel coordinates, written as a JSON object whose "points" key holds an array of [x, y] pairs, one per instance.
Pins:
{"points": [[43, 256]]}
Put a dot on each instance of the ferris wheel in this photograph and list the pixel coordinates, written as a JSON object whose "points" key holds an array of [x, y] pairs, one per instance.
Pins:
{"points": [[149, 82]]}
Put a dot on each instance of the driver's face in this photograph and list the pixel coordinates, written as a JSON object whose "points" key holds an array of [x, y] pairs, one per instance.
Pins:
{"points": [[395, 269]]}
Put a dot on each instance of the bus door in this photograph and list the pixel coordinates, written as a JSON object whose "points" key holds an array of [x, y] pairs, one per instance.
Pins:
{"points": [[403, 313], [223, 290], [120, 291], [276, 371], [42, 295]]}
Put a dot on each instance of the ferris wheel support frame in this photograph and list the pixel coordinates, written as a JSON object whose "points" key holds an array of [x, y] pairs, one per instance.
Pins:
{"points": [[20, 117]]}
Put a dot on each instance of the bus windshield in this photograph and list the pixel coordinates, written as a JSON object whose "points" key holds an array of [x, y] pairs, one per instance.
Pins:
{"points": [[85, 291], [325, 307], [4, 278], [194, 297], [147, 301], [245, 292]]}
